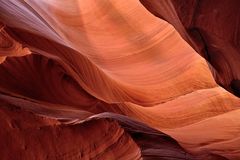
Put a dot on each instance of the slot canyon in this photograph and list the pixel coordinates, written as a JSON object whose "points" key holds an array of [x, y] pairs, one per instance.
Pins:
{"points": [[120, 80]]}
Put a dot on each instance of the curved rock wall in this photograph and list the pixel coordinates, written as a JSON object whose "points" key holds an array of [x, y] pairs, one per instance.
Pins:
{"points": [[106, 79], [211, 28]]}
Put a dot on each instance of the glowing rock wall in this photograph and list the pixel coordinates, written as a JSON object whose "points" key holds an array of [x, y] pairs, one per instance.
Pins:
{"points": [[106, 79]]}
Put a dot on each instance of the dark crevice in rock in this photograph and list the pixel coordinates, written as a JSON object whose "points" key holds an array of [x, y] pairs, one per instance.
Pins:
{"points": [[235, 86]]}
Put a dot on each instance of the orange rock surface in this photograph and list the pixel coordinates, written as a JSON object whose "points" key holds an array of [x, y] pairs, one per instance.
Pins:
{"points": [[111, 79]]}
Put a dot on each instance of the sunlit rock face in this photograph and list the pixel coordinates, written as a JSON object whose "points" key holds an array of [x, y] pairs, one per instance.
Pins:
{"points": [[111, 79], [211, 28]]}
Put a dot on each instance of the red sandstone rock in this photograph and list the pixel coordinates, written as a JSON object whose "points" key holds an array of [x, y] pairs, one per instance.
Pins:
{"points": [[64, 64], [210, 27]]}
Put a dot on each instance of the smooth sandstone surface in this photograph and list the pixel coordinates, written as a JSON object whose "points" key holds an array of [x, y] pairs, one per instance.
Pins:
{"points": [[211, 28], [113, 79]]}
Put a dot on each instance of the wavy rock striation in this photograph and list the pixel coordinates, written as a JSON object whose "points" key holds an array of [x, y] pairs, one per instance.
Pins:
{"points": [[211, 28], [109, 80]]}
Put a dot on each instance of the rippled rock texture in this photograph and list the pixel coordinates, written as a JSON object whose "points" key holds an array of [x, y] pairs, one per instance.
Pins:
{"points": [[211, 28], [112, 79]]}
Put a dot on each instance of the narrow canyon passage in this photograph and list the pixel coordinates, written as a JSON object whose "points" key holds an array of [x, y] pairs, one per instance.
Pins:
{"points": [[114, 79]]}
